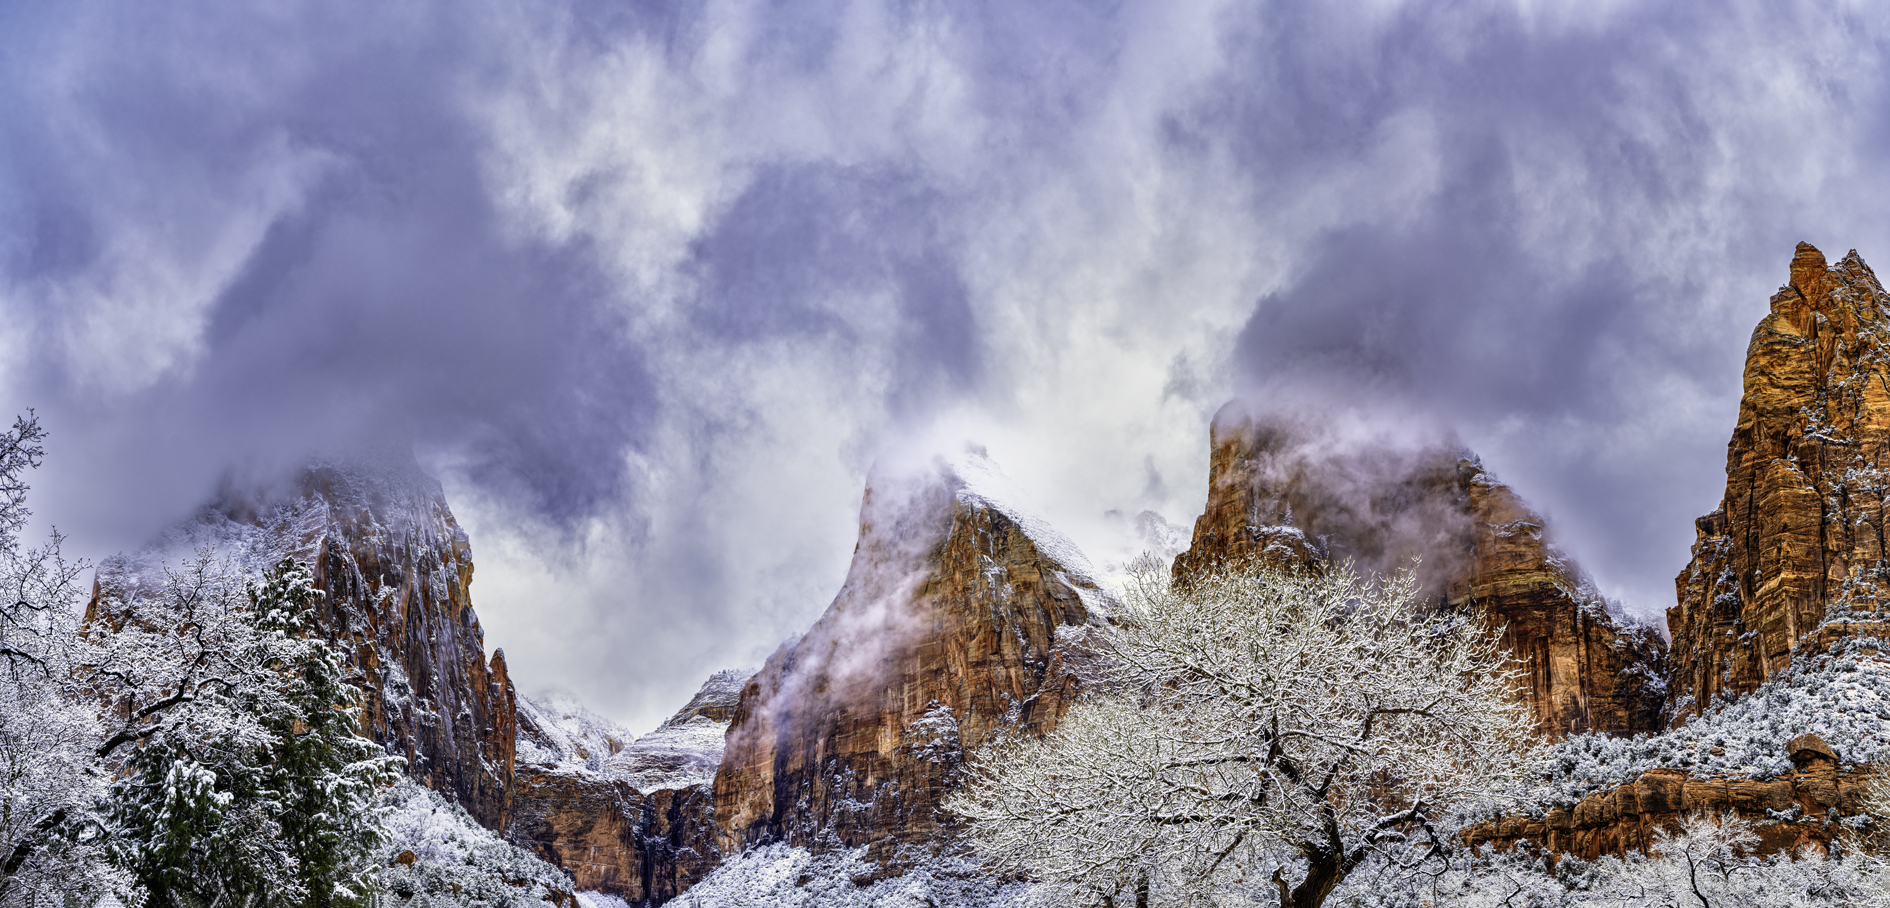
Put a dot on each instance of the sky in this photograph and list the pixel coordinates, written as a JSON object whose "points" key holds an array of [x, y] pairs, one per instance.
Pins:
{"points": [[651, 286]]}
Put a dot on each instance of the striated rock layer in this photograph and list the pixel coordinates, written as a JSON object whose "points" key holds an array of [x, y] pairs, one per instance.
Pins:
{"points": [[1283, 495], [1788, 813], [944, 638], [1795, 553]]}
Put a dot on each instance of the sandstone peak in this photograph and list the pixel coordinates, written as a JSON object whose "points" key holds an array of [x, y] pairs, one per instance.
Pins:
{"points": [[945, 636], [1292, 490], [1794, 556]]}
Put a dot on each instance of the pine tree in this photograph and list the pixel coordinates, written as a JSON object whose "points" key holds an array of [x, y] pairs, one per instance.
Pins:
{"points": [[326, 776], [264, 796]]}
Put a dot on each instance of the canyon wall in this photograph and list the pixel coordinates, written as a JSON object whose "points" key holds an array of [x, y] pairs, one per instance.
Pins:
{"points": [[630, 818], [1794, 557], [397, 570], [1285, 494], [947, 634]]}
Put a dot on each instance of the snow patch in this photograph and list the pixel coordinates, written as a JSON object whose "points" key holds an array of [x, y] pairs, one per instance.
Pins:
{"points": [[672, 756], [437, 854], [560, 732], [781, 876], [1842, 696]]}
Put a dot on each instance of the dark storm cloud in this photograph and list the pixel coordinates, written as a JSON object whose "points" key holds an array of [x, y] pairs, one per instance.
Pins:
{"points": [[800, 235], [653, 284], [383, 301]]}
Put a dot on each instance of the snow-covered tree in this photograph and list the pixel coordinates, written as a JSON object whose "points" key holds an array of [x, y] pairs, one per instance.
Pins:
{"points": [[50, 730], [251, 787], [1259, 735]]}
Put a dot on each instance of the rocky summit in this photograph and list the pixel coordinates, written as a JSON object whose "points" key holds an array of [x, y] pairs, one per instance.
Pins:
{"points": [[1283, 493], [1794, 556], [396, 570], [949, 633], [965, 618]]}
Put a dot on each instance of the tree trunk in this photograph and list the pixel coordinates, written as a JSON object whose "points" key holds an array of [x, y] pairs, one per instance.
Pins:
{"points": [[1325, 867]]}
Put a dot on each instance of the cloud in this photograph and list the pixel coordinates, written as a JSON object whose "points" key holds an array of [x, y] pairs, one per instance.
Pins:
{"points": [[652, 286]]}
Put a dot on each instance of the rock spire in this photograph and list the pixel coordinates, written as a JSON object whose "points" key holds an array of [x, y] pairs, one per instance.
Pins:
{"points": [[1794, 556]]}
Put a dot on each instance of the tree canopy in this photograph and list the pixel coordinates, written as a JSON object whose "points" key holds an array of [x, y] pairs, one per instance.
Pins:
{"points": [[1255, 731]]}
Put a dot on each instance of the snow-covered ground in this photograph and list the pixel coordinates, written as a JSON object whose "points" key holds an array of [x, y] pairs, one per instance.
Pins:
{"points": [[780, 876], [437, 856], [1842, 696]]}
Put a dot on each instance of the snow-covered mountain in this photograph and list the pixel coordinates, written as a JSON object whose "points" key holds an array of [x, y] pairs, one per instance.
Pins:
{"points": [[397, 572]]}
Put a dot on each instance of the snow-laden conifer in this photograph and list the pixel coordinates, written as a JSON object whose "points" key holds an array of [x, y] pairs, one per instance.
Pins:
{"points": [[256, 790]]}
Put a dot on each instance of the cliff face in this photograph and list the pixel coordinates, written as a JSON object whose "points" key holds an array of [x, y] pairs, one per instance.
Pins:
{"points": [[398, 572], [397, 569], [944, 637], [1796, 550], [629, 818], [1279, 496]]}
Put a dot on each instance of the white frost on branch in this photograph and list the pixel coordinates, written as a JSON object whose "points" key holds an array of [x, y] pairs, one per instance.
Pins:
{"points": [[1257, 736]]}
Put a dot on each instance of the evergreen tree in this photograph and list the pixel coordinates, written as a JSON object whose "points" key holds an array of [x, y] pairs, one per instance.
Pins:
{"points": [[325, 775], [265, 797]]}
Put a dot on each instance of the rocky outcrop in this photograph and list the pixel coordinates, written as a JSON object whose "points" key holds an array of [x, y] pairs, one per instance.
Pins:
{"points": [[397, 570], [1788, 812], [633, 819], [944, 638], [1584, 669], [1283, 494], [1794, 557], [589, 824]]}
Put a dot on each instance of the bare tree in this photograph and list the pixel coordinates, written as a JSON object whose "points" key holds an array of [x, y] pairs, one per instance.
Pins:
{"points": [[1256, 731], [50, 730]]}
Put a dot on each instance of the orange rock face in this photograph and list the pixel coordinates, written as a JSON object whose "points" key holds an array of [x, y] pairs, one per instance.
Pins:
{"points": [[587, 824], [1794, 556], [944, 637], [574, 807], [642, 848], [1627, 817], [1281, 498], [396, 569]]}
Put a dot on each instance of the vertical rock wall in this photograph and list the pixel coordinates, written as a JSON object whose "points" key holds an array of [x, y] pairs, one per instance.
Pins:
{"points": [[1281, 498], [944, 637], [397, 571], [588, 805], [1794, 555]]}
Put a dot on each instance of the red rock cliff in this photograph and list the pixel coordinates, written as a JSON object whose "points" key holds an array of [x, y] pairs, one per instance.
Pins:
{"points": [[397, 571], [1795, 552], [633, 819], [1283, 494], [944, 636]]}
